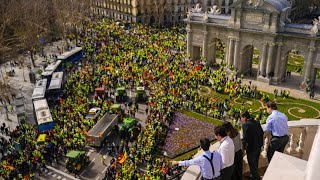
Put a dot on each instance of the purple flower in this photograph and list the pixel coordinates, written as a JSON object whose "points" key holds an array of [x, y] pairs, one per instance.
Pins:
{"points": [[188, 135]]}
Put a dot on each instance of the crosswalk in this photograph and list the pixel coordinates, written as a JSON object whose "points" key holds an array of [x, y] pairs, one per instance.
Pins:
{"points": [[53, 173]]}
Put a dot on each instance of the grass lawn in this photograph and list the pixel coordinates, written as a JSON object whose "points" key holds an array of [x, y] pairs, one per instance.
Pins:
{"points": [[294, 108]]}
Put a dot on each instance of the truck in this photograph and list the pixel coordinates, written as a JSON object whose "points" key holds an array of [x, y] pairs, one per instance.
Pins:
{"points": [[97, 135]]}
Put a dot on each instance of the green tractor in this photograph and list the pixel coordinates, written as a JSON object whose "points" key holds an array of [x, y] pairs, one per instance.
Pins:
{"points": [[129, 125], [76, 159], [116, 109], [141, 94], [121, 94]]}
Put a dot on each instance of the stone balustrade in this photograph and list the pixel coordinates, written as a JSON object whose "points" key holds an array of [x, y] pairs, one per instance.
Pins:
{"points": [[301, 133]]}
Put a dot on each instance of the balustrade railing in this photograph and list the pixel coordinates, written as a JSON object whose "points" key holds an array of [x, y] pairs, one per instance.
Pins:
{"points": [[301, 134]]}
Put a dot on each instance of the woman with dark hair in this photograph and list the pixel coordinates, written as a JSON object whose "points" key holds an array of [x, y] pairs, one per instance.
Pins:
{"points": [[235, 136]]}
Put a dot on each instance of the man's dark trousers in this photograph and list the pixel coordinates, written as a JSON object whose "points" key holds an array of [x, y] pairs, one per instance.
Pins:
{"points": [[227, 172], [277, 144], [253, 161]]}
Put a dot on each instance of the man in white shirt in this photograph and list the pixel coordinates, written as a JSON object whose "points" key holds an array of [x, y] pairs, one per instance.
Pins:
{"points": [[226, 150], [210, 163]]}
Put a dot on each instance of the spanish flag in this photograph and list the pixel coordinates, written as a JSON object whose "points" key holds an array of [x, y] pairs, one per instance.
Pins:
{"points": [[8, 167], [123, 158]]}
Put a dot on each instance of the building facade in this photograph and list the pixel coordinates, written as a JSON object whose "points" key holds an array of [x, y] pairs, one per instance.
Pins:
{"points": [[158, 12]]}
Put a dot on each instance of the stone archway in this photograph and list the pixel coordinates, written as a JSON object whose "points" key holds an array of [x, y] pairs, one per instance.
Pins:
{"points": [[264, 26]]}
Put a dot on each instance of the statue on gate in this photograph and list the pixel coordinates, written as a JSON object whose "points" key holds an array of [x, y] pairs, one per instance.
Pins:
{"points": [[214, 10], [315, 27], [197, 9]]}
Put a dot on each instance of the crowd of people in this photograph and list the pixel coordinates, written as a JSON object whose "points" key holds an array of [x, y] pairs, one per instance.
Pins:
{"points": [[133, 55]]}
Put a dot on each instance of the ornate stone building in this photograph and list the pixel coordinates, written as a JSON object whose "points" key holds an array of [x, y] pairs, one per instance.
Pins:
{"points": [[162, 12], [259, 24]]}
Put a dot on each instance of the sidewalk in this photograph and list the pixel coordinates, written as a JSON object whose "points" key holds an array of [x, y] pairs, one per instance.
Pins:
{"points": [[292, 84], [25, 87]]}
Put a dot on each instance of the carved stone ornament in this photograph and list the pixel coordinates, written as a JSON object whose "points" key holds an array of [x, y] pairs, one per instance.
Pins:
{"points": [[197, 9], [205, 17], [214, 10], [315, 27], [255, 3], [189, 14]]}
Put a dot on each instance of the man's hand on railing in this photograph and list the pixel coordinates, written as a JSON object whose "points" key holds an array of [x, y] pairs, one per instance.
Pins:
{"points": [[174, 163]]}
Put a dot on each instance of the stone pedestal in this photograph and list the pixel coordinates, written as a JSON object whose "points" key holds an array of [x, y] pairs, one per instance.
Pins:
{"points": [[264, 79]]}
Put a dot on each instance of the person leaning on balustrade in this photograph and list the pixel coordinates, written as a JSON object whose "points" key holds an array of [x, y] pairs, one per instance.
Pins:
{"points": [[252, 142], [226, 149], [277, 124], [210, 163], [238, 158]]}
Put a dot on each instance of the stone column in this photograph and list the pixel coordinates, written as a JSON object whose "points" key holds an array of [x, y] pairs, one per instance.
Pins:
{"points": [[231, 51], [189, 42], [278, 64], [270, 58], [227, 2], [308, 65], [236, 56], [205, 6], [205, 45], [262, 67]]}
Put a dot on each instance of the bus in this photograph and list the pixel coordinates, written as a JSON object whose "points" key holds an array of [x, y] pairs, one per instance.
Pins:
{"points": [[39, 92], [43, 115], [50, 69], [71, 56], [55, 89]]}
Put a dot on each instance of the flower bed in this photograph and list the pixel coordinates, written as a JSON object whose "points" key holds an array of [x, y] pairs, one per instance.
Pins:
{"points": [[185, 133]]}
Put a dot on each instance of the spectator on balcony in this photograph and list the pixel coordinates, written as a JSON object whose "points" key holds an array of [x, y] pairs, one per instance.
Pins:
{"points": [[235, 136], [210, 162], [252, 142], [277, 124], [226, 150]]}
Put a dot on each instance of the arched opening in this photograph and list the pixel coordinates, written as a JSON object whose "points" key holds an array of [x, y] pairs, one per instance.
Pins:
{"points": [[220, 51], [293, 70], [250, 63]]}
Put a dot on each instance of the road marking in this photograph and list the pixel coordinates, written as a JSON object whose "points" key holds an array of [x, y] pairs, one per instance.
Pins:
{"points": [[64, 179], [104, 170], [49, 173], [62, 173], [100, 150], [97, 178], [88, 166], [59, 177], [54, 175], [90, 151]]}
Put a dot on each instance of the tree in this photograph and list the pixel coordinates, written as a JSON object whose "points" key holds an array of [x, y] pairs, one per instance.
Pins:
{"points": [[158, 11], [5, 94], [30, 24], [8, 40], [70, 16]]}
